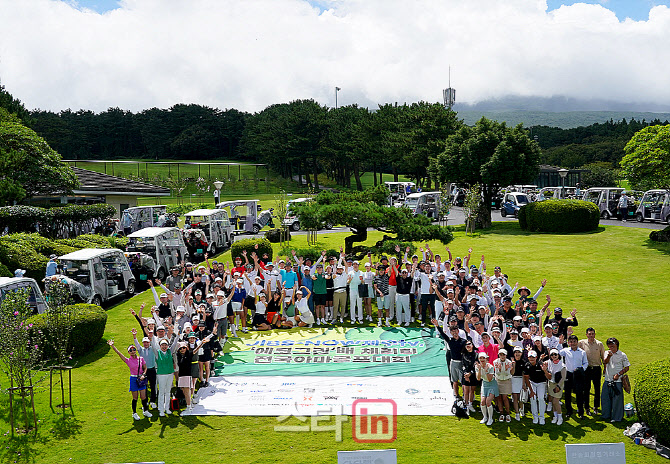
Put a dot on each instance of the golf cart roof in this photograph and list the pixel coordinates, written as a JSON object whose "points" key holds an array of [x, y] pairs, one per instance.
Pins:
{"points": [[145, 207], [657, 191], [616, 189], [151, 232], [15, 280], [89, 253], [299, 200], [224, 204], [421, 194], [399, 183], [203, 212]]}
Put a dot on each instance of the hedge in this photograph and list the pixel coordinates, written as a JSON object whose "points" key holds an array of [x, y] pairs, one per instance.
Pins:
{"points": [[559, 216], [31, 251], [311, 253], [249, 244], [388, 248], [660, 235], [88, 327], [274, 235], [652, 398], [52, 222]]}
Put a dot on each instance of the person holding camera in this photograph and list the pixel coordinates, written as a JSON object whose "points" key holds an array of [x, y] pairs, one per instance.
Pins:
{"points": [[138, 378]]}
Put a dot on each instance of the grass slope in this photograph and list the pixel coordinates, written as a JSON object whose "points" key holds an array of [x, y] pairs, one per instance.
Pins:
{"points": [[590, 272]]}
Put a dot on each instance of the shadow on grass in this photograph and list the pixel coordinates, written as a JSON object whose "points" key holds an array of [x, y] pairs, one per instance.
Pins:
{"points": [[99, 351], [22, 447], [523, 431], [172, 421], [66, 426], [663, 247]]}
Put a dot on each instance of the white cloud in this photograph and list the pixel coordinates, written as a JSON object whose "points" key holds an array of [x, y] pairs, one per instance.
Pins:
{"points": [[247, 54]]}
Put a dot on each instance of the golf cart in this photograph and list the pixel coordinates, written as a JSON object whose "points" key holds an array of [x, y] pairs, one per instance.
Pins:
{"points": [[207, 231], [291, 219], [654, 206], [399, 191], [139, 217], [512, 203], [552, 193], [607, 199], [426, 203], [153, 251], [35, 299], [253, 220], [96, 275]]}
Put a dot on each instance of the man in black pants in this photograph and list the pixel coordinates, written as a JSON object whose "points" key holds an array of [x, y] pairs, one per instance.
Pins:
{"points": [[595, 353], [576, 364]]}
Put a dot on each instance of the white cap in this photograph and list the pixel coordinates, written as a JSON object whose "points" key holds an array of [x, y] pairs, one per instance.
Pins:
{"points": [[163, 295], [181, 309], [145, 339], [151, 321], [239, 281], [220, 293]]}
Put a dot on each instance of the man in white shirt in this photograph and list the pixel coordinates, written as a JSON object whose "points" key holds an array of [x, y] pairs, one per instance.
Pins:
{"points": [[339, 293], [576, 363]]}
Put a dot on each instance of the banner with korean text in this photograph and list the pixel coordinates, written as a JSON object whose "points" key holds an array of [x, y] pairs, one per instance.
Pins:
{"points": [[323, 371]]}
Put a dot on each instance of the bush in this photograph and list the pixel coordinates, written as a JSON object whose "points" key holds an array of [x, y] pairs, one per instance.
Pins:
{"points": [[88, 327], [559, 216], [249, 244], [311, 253], [274, 235], [652, 398], [660, 235], [387, 247]]}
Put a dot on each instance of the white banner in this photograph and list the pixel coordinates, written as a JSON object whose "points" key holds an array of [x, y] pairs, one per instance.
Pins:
{"points": [[321, 396]]}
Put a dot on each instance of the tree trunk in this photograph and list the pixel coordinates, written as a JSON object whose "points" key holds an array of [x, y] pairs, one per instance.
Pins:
{"points": [[357, 176], [358, 235], [374, 174], [381, 179], [483, 219], [307, 177], [316, 174], [395, 174]]}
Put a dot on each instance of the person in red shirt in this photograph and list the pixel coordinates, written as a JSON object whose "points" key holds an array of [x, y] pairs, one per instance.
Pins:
{"points": [[392, 285]]}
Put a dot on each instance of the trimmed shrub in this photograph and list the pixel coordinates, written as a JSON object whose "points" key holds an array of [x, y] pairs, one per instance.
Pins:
{"points": [[662, 235], [652, 398], [249, 244], [311, 253], [88, 327], [274, 235], [561, 216], [53, 221], [388, 248]]}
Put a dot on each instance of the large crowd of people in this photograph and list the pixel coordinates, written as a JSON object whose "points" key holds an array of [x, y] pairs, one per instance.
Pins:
{"points": [[498, 339]]}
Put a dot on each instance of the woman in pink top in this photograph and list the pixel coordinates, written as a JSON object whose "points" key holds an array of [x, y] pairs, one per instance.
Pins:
{"points": [[138, 372]]}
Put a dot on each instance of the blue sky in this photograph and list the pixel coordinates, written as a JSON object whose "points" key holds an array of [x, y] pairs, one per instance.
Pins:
{"points": [[634, 9]]}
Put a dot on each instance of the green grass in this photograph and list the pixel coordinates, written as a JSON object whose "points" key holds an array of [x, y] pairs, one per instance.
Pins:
{"points": [[606, 275]]}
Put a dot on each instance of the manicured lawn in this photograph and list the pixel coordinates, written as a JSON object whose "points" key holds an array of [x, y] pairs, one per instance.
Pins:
{"points": [[608, 276]]}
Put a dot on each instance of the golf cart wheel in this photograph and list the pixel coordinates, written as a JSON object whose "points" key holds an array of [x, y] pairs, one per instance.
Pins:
{"points": [[329, 225], [606, 215], [256, 229], [97, 300], [295, 227], [503, 212], [639, 217], [667, 219], [160, 275], [212, 250], [130, 289]]}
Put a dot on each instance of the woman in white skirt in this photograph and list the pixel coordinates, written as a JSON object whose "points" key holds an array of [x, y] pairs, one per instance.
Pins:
{"points": [[555, 371], [184, 359], [503, 372], [517, 381]]}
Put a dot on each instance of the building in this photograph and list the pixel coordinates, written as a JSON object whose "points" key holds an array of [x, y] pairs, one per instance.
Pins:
{"points": [[96, 187], [549, 177]]}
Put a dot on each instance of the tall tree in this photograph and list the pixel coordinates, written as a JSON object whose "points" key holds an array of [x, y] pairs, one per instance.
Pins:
{"points": [[490, 154], [646, 163]]}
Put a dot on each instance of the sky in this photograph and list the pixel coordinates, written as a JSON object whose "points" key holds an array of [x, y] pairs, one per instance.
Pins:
{"points": [[248, 54]]}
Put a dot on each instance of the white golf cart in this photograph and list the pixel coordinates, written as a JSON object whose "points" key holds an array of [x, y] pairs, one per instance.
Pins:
{"points": [[207, 231], [552, 193], [426, 203], [246, 216], [654, 206], [607, 199], [291, 220], [399, 191], [139, 217], [153, 251], [96, 275], [35, 299]]}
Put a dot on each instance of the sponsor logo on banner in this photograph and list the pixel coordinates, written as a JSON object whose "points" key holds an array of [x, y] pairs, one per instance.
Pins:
{"points": [[330, 397], [374, 421], [411, 391]]}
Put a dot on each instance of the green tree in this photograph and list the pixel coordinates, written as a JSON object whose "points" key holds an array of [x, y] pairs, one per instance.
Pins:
{"points": [[489, 154], [366, 209], [599, 174], [646, 163], [14, 106], [28, 166]]}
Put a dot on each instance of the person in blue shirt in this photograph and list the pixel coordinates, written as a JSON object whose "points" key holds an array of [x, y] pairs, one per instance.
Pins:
{"points": [[52, 266], [307, 282]]}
